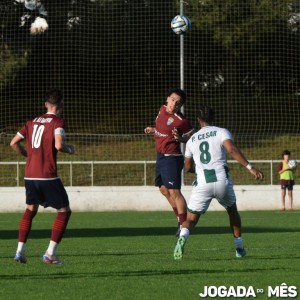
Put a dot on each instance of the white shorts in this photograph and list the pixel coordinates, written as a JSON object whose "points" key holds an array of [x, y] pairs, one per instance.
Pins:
{"points": [[202, 194]]}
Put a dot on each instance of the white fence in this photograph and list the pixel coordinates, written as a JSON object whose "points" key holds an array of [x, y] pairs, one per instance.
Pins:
{"points": [[16, 168]]}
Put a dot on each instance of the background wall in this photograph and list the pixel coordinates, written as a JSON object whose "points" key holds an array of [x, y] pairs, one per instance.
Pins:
{"points": [[249, 197]]}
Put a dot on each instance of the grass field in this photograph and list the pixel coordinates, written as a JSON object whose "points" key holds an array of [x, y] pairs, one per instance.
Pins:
{"points": [[129, 255]]}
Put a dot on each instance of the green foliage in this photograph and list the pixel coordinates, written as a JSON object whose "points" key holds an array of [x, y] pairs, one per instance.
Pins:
{"points": [[239, 24], [10, 64], [122, 57], [129, 255], [241, 57]]}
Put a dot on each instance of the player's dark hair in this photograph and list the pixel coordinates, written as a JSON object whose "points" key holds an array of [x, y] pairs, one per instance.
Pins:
{"points": [[178, 92], [206, 113], [54, 96], [285, 152]]}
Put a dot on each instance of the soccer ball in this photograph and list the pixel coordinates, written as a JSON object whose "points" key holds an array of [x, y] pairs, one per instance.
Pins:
{"points": [[293, 164], [39, 25], [180, 24]]}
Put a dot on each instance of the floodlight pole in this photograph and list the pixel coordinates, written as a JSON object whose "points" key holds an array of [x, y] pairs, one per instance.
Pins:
{"points": [[182, 76]]}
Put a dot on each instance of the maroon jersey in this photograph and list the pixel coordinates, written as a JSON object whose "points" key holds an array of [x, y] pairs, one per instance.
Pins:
{"points": [[40, 146], [164, 124]]}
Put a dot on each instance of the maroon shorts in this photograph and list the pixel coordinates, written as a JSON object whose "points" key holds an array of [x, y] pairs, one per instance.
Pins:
{"points": [[287, 184]]}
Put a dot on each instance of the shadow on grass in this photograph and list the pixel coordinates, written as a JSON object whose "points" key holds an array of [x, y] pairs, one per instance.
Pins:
{"points": [[181, 272], [143, 231]]}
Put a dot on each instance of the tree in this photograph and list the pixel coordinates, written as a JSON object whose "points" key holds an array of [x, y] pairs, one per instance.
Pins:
{"points": [[238, 25], [11, 59], [10, 64]]}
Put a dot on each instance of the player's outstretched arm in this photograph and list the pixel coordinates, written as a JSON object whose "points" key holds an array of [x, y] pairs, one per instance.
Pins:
{"points": [[256, 173], [236, 153], [182, 138], [149, 130]]}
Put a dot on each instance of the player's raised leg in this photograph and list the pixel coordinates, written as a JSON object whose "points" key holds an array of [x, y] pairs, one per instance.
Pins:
{"points": [[187, 226]]}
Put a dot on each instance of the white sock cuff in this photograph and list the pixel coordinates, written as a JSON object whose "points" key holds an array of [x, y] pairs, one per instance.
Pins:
{"points": [[20, 248], [184, 232], [52, 248]]}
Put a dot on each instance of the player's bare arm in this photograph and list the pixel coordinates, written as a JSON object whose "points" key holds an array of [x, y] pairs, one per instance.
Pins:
{"points": [[61, 146], [236, 153], [149, 130], [189, 164], [15, 144], [182, 138], [284, 170]]}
